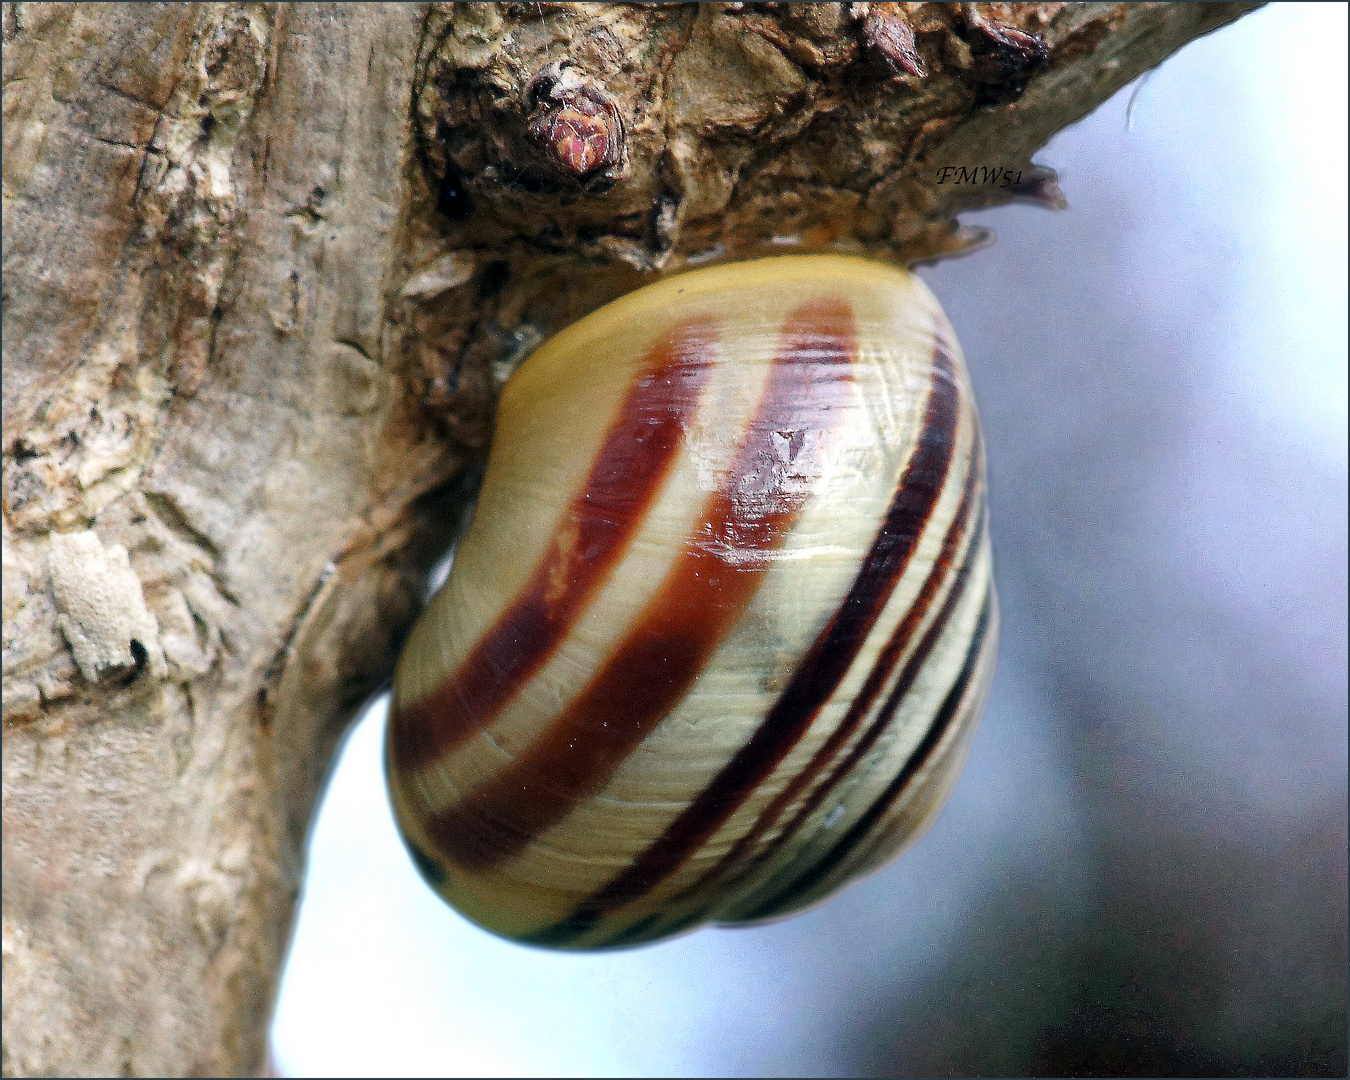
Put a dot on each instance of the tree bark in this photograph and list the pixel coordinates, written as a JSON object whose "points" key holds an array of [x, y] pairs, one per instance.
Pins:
{"points": [[265, 268]]}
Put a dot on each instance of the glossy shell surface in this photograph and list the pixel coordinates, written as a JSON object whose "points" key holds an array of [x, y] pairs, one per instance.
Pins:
{"points": [[717, 638]]}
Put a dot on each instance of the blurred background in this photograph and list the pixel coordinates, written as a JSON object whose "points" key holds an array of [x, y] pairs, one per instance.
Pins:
{"points": [[1143, 868]]}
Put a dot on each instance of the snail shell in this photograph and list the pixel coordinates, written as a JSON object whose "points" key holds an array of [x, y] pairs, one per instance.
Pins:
{"points": [[717, 638]]}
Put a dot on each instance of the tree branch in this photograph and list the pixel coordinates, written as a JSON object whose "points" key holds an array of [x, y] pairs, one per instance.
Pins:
{"points": [[264, 270]]}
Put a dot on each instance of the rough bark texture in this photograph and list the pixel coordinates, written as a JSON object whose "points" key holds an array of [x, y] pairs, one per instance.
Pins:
{"points": [[264, 269]]}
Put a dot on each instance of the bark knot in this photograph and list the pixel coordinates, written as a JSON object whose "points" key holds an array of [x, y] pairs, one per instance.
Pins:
{"points": [[890, 39], [578, 127]]}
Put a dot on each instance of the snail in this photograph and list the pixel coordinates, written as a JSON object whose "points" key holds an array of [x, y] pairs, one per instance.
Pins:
{"points": [[718, 635]]}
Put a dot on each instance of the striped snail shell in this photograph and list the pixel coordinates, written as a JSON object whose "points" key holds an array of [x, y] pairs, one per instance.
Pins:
{"points": [[717, 638]]}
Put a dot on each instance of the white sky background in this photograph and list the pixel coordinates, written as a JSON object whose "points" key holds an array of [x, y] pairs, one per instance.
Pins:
{"points": [[1237, 155]]}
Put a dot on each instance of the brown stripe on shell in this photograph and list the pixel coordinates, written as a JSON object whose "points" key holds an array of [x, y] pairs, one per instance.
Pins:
{"points": [[942, 724], [886, 713], [628, 471], [816, 677], [702, 596], [730, 864], [938, 575]]}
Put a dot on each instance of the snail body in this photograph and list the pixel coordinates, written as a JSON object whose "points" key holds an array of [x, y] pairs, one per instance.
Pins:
{"points": [[717, 638]]}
